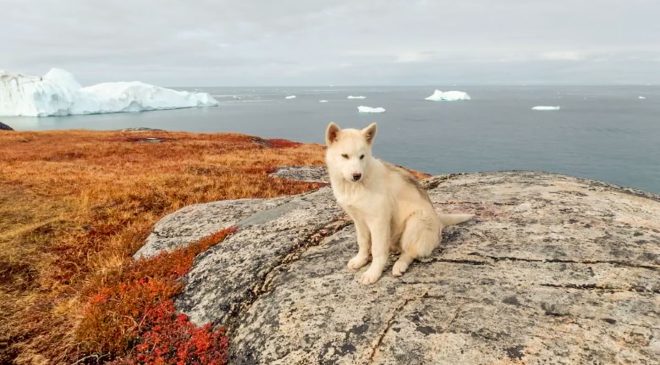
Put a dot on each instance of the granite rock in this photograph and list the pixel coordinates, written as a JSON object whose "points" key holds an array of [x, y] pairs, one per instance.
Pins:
{"points": [[553, 269], [304, 173]]}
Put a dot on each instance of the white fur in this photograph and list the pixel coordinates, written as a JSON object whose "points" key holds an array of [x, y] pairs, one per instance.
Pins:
{"points": [[389, 210]]}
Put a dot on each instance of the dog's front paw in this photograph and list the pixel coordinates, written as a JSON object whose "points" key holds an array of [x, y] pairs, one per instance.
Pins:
{"points": [[370, 276], [357, 262]]}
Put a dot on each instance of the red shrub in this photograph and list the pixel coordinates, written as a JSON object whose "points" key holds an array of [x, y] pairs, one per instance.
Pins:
{"points": [[133, 318], [170, 338]]}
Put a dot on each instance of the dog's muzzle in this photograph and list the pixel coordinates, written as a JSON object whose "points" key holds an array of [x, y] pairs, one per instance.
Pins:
{"points": [[357, 177]]}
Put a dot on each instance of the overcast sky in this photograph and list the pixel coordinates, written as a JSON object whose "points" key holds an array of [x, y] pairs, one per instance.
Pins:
{"points": [[309, 42]]}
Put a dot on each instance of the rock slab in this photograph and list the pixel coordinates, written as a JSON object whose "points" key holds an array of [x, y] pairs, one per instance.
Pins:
{"points": [[553, 269], [304, 173]]}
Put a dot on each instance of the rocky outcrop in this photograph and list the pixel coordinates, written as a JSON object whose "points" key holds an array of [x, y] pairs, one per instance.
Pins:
{"points": [[4, 127], [194, 222], [303, 173], [141, 129], [553, 269]]}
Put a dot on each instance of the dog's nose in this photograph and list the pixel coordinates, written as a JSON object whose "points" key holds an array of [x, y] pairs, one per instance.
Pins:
{"points": [[356, 176]]}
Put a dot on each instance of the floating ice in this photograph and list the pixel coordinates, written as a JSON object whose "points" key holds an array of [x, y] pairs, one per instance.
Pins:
{"points": [[323, 101], [453, 95], [58, 93], [368, 109], [641, 97], [356, 97], [290, 97], [546, 107]]}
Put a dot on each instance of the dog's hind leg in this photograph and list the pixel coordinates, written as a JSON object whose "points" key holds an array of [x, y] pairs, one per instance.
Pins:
{"points": [[420, 236], [401, 265]]}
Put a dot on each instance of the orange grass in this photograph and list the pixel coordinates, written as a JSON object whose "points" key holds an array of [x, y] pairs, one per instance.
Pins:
{"points": [[75, 205]]}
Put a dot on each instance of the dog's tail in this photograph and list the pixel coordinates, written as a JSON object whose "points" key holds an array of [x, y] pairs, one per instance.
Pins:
{"points": [[451, 219]]}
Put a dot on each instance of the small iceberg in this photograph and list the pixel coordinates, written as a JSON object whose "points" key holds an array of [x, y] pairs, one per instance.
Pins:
{"points": [[356, 97], [641, 97], [58, 93], [546, 107], [368, 109], [452, 95], [323, 101], [290, 97]]}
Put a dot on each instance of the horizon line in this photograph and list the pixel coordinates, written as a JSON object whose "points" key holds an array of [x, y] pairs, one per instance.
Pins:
{"points": [[418, 85]]}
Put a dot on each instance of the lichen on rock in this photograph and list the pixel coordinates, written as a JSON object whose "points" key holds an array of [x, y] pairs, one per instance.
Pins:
{"points": [[553, 268]]}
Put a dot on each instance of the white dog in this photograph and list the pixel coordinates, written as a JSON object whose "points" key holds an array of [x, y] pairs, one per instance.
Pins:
{"points": [[389, 208]]}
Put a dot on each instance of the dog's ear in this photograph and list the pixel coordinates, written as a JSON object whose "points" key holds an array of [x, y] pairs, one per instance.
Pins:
{"points": [[331, 133], [370, 133]]}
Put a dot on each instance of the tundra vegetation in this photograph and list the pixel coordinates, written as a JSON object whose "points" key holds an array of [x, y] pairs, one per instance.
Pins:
{"points": [[75, 206]]}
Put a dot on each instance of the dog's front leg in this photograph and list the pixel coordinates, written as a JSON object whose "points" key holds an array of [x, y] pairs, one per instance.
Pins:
{"points": [[364, 243], [380, 250]]}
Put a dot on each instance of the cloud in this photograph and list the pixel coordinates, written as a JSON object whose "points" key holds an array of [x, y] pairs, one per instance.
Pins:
{"points": [[406, 57], [226, 42], [563, 56]]}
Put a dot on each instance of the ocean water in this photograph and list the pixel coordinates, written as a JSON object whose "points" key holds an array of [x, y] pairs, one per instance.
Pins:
{"points": [[601, 132]]}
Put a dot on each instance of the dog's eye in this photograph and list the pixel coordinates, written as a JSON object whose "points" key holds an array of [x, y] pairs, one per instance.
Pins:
{"points": [[361, 157], [344, 156]]}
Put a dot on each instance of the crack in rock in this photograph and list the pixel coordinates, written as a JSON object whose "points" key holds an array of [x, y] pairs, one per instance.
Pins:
{"points": [[453, 318], [312, 240], [601, 288], [265, 285], [566, 261], [455, 261], [389, 324]]}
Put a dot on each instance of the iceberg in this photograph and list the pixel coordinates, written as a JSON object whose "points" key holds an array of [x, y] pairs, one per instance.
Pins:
{"points": [[641, 97], [546, 107], [290, 97], [57, 93], [356, 97], [368, 109], [453, 95], [323, 101]]}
